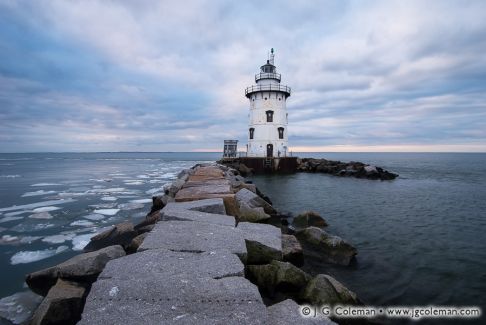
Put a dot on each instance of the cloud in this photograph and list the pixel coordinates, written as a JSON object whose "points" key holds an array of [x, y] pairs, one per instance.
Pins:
{"points": [[169, 76]]}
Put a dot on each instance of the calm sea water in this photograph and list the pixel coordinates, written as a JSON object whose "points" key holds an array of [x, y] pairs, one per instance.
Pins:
{"points": [[420, 238]]}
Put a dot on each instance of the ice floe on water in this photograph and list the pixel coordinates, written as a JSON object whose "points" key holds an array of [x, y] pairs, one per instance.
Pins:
{"points": [[37, 193], [130, 206], [31, 227], [16, 213], [58, 239], [108, 198], [18, 308], [36, 205], [46, 209], [82, 223], [24, 257], [143, 176], [154, 190], [46, 184], [41, 215], [106, 212], [80, 241], [94, 217], [9, 176], [142, 201], [7, 219], [135, 183], [9, 239]]}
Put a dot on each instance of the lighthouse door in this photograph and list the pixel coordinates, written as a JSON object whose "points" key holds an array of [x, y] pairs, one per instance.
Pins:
{"points": [[269, 150]]}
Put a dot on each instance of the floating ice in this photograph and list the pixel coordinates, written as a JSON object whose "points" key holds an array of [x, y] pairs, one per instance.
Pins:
{"points": [[57, 239], [24, 257], [36, 205], [29, 239], [16, 213], [143, 176], [8, 239], [29, 227], [108, 198], [94, 217], [103, 205], [41, 215], [142, 201], [113, 190], [130, 206], [135, 183], [37, 193], [7, 219], [79, 242], [9, 176], [82, 223], [107, 212], [46, 184], [154, 190], [45, 209], [18, 307]]}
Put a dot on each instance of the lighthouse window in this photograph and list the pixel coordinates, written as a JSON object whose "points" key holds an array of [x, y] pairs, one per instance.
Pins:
{"points": [[269, 116], [280, 98], [265, 98], [252, 130], [280, 133]]}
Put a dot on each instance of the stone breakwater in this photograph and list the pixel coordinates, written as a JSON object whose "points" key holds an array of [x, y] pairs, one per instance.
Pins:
{"points": [[311, 165], [210, 251]]}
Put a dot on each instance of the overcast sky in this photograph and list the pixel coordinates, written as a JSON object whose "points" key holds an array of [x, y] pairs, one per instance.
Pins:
{"points": [[170, 75]]}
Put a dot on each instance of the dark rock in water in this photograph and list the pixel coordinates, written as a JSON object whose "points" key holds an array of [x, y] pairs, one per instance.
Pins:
{"points": [[62, 305], [157, 203], [309, 219], [288, 312], [81, 268], [263, 196], [278, 276], [136, 242], [253, 200], [325, 290], [151, 219], [292, 250], [338, 168], [144, 229], [320, 245], [244, 170], [120, 234]]}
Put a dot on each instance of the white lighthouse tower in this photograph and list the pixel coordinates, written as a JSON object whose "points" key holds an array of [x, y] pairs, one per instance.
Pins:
{"points": [[267, 129]]}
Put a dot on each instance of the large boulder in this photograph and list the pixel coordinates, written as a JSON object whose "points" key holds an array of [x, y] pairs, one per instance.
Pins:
{"points": [[250, 214], [62, 305], [253, 200], [278, 276], [175, 187], [120, 234], [292, 250], [150, 219], [309, 219], [135, 243], [325, 290], [331, 249], [244, 170], [81, 268]]}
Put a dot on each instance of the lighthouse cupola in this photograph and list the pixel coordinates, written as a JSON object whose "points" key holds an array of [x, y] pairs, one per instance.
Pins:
{"points": [[267, 130]]}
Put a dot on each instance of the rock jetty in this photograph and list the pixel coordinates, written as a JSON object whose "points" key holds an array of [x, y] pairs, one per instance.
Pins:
{"points": [[205, 254]]}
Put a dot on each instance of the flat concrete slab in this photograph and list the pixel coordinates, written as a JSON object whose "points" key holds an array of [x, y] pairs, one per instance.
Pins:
{"points": [[193, 236], [232, 300], [210, 211], [200, 192], [215, 205], [192, 183], [288, 312], [161, 263]]}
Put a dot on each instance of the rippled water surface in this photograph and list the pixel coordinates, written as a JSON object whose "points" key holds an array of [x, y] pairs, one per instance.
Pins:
{"points": [[420, 238], [51, 204]]}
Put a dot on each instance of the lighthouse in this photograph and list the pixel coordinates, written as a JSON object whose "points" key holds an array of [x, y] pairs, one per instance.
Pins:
{"points": [[268, 118]]}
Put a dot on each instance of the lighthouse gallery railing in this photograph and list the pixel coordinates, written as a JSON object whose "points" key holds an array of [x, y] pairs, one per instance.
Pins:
{"points": [[256, 88]]}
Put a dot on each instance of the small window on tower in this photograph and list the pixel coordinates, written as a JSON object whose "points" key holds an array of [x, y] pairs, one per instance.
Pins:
{"points": [[280, 133], [252, 130], [280, 98], [265, 98], [269, 116]]}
